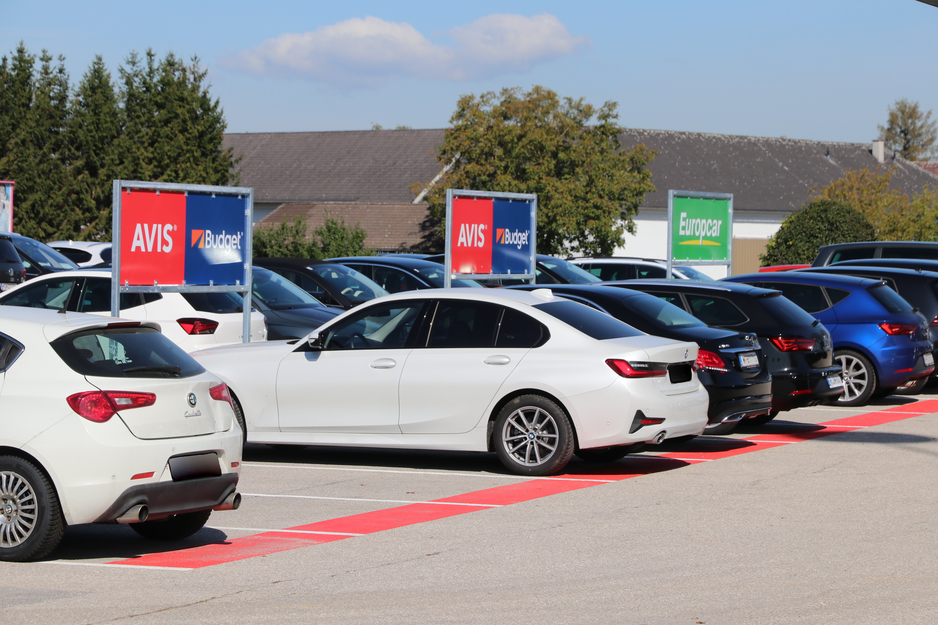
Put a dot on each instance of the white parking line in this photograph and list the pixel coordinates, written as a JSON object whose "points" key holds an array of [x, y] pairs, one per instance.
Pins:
{"points": [[260, 530], [438, 503], [338, 468], [118, 566]]}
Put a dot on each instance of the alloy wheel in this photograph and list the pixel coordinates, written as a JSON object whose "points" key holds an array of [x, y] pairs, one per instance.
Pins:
{"points": [[530, 436], [18, 509]]}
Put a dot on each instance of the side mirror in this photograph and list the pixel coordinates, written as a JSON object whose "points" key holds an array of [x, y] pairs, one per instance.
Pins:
{"points": [[316, 341]]}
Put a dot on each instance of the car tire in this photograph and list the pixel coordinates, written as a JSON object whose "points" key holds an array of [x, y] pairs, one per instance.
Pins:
{"points": [[608, 454], [239, 416], [762, 419], [912, 387], [859, 377], [31, 522], [533, 436], [176, 527]]}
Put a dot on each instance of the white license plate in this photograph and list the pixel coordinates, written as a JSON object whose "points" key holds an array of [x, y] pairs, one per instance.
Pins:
{"points": [[834, 381], [4, 286], [929, 359], [749, 359]]}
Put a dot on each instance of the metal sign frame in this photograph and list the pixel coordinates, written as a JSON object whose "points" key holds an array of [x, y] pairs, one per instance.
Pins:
{"points": [[243, 286], [728, 263], [452, 194]]}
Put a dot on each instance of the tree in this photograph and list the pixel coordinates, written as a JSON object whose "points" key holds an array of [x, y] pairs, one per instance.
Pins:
{"points": [[566, 151], [820, 222], [910, 131], [288, 238], [337, 239]]}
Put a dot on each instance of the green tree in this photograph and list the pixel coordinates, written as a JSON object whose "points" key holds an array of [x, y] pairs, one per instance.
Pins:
{"points": [[910, 131], [336, 239], [820, 222], [288, 238], [564, 150], [16, 94]]}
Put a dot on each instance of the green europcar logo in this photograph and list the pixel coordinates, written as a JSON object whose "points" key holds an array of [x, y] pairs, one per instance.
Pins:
{"points": [[702, 228]]}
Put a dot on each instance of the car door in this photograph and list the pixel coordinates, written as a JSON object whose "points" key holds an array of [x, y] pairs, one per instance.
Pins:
{"points": [[471, 349], [351, 384]]}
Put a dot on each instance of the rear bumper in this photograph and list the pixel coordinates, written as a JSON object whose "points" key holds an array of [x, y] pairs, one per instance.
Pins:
{"points": [[795, 390], [732, 403], [164, 499]]}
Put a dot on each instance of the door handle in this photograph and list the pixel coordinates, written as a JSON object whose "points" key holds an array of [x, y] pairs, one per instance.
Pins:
{"points": [[497, 360], [383, 363]]}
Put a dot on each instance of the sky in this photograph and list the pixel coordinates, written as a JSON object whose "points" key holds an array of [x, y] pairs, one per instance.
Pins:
{"points": [[826, 70]]}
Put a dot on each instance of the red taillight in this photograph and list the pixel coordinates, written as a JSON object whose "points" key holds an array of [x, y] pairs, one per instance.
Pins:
{"points": [[191, 325], [793, 344], [100, 406], [637, 369], [934, 322], [709, 360], [220, 393], [894, 329]]}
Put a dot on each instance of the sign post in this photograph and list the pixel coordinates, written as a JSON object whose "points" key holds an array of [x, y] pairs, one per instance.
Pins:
{"points": [[6, 206], [490, 235], [700, 229], [181, 238]]}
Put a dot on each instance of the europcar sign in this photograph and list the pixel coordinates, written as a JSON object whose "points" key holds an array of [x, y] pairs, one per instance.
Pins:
{"points": [[490, 235], [173, 237], [700, 228]]}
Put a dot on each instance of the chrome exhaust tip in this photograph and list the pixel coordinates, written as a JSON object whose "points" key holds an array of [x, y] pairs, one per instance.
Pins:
{"points": [[137, 514], [659, 437], [231, 502]]}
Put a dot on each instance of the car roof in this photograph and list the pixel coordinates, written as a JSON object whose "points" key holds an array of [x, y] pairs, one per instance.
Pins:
{"points": [[25, 324], [818, 278], [84, 245], [292, 262], [495, 296], [404, 263], [615, 259], [879, 269], [879, 244], [695, 286]]}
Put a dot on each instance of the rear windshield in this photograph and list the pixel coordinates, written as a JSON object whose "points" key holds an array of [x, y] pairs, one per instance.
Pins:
{"points": [[784, 311], [663, 313], [890, 300], [125, 352], [568, 271], [224, 302], [589, 321], [8, 252], [43, 255]]}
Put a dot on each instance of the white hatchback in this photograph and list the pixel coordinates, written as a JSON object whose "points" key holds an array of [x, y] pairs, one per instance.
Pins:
{"points": [[106, 421], [191, 320], [533, 377]]}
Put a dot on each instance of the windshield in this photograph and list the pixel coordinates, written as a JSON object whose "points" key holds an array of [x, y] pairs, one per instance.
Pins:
{"points": [[278, 293], [353, 285], [692, 274], [43, 255], [436, 276], [568, 271]]}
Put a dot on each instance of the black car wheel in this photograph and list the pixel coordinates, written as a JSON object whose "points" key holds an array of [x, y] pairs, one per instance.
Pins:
{"points": [[533, 436], [859, 377], [31, 523]]}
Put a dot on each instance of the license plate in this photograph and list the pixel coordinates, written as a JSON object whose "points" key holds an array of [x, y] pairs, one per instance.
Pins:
{"points": [[929, 359], [4, 286], [834, 381], [749, 359]]}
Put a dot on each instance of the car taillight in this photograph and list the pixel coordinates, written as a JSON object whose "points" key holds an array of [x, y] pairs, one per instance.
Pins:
{"points": [[192, 325], [893, 329], [793, 344], [220, 393], [100, 406], [709, 360], [934, 322], [637, 369]]}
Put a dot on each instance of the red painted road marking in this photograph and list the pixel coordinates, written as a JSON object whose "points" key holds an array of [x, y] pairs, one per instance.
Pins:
{"points": [[402, 516]]}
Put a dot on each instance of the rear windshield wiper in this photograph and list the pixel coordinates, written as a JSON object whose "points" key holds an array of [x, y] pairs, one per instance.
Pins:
{"points": [[175, 370]]}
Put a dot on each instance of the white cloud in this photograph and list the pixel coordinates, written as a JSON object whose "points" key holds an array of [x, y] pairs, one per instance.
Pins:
{"points": [[366, 52]]}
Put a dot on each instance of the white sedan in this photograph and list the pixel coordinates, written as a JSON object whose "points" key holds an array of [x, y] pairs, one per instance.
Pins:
{"points": [[102, 421], [191, 320], [532, 377]]}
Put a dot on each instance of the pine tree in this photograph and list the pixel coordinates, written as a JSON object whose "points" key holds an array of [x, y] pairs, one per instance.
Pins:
{"points": [[16, 94]]}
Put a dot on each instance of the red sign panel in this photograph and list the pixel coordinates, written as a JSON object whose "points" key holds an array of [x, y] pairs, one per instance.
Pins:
{"points": [[472, 235], [153, 230]]}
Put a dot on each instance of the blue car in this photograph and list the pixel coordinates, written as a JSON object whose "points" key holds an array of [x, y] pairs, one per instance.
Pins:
{"points": [[879, 339]]}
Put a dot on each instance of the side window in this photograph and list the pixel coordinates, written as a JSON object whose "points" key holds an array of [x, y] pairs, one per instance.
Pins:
{"points": [[853, 253], [519, 330], [9, 351], [837, 295], [388, 326], [648, 271], [808, 296], [715, 311], [52, 294], [464, 324], [543, 278], [307, 284], [613, 272], [394, 280], [671, 298], [96, 297], [924, 253]]}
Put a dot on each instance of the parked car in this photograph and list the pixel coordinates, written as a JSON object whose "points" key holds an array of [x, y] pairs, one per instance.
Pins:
{"points": [[160, 448], [190, 320], [12, 269], [532, 377], [38, 258], [395, 274], [919, 288], [797, 348], [291, 312], [547, 269], [730, 364], [829, 254], [879, 340], [330, 283], [626, 268], [84, 253]]}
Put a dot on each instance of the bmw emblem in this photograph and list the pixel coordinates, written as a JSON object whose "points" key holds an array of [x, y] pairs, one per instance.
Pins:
{"points": [[191, 399]]}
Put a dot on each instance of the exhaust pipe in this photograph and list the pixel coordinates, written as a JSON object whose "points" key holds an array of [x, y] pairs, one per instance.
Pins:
{"points": [[137, 514], [659, 437], [231, 502]]}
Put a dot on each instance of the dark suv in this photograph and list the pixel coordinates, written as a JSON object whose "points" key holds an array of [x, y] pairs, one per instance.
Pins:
{"points": [[796, 346], [12, 270], [829, 254]]}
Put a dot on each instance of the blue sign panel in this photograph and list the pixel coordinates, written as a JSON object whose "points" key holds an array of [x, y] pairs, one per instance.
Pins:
{"points": [[215, 239], [513, 245]]}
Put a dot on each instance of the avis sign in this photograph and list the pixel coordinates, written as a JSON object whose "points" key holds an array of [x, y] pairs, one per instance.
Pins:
{"points": [[183, 238], [490, 235]]}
